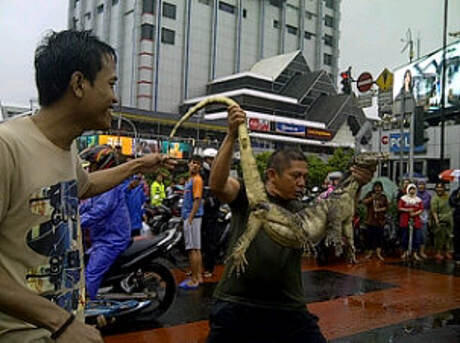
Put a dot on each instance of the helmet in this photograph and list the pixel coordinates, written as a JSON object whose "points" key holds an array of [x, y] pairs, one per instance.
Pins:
{"points": [[100, 156], [209, 152]]}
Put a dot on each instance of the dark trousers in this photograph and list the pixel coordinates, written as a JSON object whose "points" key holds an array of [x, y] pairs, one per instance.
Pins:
{"points": [[417, 239], [231, 322], [209, 247], [374, 237]]}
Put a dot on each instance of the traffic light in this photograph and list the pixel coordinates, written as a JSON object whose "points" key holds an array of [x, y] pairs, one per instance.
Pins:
{"points": [[346, 81], [420, 127]]}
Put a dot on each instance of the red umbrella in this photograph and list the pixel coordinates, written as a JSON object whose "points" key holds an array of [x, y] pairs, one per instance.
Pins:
{"points": [[449, 174]]}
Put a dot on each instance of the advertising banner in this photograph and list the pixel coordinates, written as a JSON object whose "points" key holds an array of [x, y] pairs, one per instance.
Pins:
{"points": [[177, 149], [146, 146], [290, 129], [425, 78], [125, 142], [85, 141], [395, 141], [256, 124]]}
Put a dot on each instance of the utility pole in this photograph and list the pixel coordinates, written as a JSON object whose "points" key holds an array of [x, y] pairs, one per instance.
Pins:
{"points": [[443, 80]]}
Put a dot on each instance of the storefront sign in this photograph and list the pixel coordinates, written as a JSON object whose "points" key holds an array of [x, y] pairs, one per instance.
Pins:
{"points": [[318, 134], [290, 129], [256, 124]]}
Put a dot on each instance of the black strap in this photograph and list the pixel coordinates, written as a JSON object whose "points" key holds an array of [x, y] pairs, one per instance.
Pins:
{"points": [[56, 334]]}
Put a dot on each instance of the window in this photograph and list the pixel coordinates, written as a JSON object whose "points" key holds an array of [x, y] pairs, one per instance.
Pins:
{"points": [[329, 21], [74, 23], [276, 3], [245, 12], [167, 36], [328, 59], [206, 2], [291, 29], [147, 31], [226, 7], [88, 16], [276, 24], [169, 10], [328, 40], [100, 9], [330, 3], [308, 35], [75, 3], [148, 6], [309, 15], [114, 2]]}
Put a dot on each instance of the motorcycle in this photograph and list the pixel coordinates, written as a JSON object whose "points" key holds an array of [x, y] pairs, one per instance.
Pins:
{"points": [[159, 216], [139, 286]]}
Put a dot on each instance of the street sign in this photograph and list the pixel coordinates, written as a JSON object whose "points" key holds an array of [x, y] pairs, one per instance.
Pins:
{"points": [[395, 143], [365, 100], [385, 101], [364, 82], [385, 80], [385, 140]]}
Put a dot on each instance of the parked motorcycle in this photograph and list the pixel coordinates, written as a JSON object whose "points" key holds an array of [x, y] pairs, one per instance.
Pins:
{"points": [[159, 216], [139, 286]]}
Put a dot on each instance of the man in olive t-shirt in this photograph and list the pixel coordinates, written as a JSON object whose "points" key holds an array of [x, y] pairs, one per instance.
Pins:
{"points": [[266, 302]]}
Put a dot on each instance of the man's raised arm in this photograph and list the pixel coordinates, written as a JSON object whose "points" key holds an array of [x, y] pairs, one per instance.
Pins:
{"points": [[224, 187]]}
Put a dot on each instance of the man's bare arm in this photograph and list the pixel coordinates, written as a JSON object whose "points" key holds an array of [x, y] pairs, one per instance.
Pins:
{"points": [[103, 180], [23, 304], [224, 187]]}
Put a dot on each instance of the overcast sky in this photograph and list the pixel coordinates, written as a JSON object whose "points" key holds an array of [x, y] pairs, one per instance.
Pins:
{"points": [[369, 41]]}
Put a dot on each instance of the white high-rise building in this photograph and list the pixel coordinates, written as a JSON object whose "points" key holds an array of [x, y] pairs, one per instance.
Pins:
{"points": [[169, 50]]}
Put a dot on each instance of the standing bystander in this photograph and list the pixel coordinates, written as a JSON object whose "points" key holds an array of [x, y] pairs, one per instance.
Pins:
{"points": [[192, 213]]}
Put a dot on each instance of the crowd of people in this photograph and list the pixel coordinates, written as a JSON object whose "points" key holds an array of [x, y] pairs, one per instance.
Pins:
{"points": [[424, 220]]}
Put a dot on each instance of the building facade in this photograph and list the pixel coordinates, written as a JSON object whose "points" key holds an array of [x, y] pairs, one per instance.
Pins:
{"points": [[169, 50]]}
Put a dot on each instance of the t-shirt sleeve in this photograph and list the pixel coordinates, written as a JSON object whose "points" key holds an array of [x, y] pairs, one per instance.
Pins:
{"points": [[197, 187], [241, 199], [6, 167]]}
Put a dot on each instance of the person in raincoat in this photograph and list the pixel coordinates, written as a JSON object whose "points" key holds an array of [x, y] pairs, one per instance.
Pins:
{"points": [[106, 217], [157, 191], [135, 199]]}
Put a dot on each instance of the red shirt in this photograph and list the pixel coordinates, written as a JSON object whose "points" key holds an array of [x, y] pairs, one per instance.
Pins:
{"points": [[407, 202]]}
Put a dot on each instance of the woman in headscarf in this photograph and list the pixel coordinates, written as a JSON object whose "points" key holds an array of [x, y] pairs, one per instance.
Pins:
{"points": [[411, 207]]}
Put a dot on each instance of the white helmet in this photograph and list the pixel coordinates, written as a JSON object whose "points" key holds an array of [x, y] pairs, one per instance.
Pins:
{"points": [[210, 152]]}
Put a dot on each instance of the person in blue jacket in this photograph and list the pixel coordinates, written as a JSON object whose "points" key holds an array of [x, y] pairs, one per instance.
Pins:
{"points": [[135, 199], [106, 216]]}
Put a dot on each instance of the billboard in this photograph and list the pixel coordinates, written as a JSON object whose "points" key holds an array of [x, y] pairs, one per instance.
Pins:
{"points": [[426, 75]]}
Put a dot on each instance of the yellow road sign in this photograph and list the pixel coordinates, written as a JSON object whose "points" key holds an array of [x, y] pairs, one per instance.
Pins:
{"points": [[385, 80]]}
